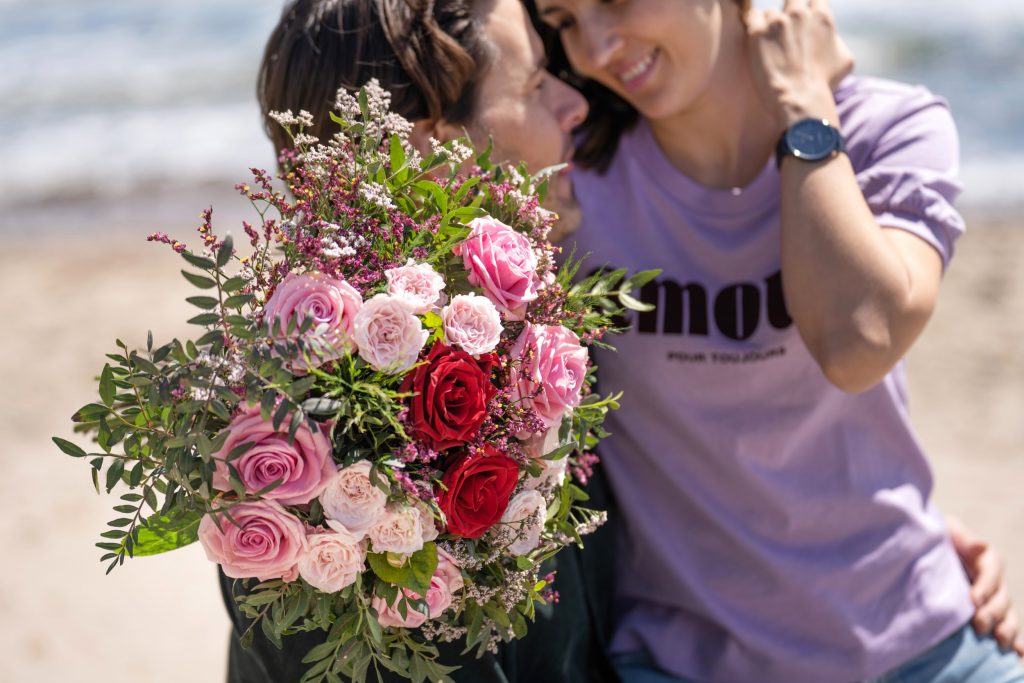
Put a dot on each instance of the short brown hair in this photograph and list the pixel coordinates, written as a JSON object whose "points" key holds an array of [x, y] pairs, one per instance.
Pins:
{"points": [[429, 56], [609, 117]]}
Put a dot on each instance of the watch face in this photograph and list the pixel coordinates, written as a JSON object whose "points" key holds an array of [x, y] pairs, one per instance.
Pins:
{"points": [[812, 139]]}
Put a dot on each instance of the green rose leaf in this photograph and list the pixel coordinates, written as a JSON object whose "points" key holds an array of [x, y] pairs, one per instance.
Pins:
{"points": [[161, 533]]}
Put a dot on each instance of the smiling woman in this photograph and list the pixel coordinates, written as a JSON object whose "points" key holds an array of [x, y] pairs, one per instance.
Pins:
{"points": [[775, 498]]}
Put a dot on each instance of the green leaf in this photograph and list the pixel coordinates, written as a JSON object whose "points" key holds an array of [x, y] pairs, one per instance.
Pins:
{"points": [[634, 304], [397, 153], [210, 337], [198, 261], [423, 564], [69, 448], [321, 406], [238, 300], [107, 388], [432, 320], [234, 284], [90, 413], [204, 302], [225, 251], [415, 574], [205, 319], [114, 473], [198, 280], [319, 652], [642, 278], [162, 533]]}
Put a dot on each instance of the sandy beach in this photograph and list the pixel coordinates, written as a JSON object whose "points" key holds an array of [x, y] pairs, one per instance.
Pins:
{"points": [[160, 619]]}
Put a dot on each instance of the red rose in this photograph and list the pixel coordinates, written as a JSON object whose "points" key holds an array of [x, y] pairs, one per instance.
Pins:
{"points": [[452, 392], [476, 492]]}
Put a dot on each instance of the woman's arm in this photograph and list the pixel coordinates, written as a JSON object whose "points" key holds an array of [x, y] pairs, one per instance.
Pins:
{"points": [[859, 294]]}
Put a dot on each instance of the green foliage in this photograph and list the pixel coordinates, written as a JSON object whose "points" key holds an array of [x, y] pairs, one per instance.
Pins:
{"points": [[163, 413]]}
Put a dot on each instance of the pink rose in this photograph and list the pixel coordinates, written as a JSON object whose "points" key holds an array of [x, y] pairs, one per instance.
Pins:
{"points": [[418, 285], [389, 616], [267, 542], [388, 335], [525, 516], [554, 367], [331, 303], [447, 581], [536, 446], [305, 466], [351, 503], [427, 522], [398, 531], [501, 262], [332, 561], [472, 323]]}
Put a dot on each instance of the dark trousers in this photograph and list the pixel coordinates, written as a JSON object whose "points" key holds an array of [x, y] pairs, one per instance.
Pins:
{"points": [[566, 643]]}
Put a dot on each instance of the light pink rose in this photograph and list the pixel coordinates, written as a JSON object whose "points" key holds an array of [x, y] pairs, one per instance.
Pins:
{"points": [[536, 446], [418, 285], [525, 515], [449, 570], [554, 367], [351, 503], [389, 616], [332, 561], [388, 335], [266, 543], [399, 531], [501, 262], [472, 323], [427, 522], [305, 466], [446, 581], [331, 303]]}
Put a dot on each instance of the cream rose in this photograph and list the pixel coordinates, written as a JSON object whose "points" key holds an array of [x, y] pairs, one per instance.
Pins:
{"points": [[418, 285], [388, 335], [351, 503], [399, 531], [526, 515], [332, 561], [472, 323]]}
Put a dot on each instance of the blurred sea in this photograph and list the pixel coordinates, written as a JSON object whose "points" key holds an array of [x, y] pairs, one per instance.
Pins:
{"points": [[109, 99]]}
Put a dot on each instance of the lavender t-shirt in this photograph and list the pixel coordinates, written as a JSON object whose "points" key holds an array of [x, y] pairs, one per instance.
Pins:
{"points": [[776, 529]]}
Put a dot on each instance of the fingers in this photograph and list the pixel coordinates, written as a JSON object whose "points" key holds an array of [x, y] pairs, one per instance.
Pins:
{"points": [[1006, 632], [958, 533], [1018, 646], [756, 22], [987, 572], [993, 613], [791, 6]]}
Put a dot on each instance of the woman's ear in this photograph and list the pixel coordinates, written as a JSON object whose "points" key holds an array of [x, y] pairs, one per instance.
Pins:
{"points": [[442, 131]]}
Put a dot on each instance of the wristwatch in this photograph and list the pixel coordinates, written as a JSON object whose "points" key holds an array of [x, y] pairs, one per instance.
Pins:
{"points": [[810, 140]]}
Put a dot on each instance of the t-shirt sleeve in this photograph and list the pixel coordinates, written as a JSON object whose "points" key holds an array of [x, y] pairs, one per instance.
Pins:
{"points": [[909, 176]]}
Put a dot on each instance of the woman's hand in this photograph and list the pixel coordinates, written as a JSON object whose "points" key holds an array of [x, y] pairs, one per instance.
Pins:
{"points": [[994, 611], [797, 59]]}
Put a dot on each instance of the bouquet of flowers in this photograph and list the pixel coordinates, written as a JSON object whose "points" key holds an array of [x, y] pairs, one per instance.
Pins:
{"points": [[379, 430]]}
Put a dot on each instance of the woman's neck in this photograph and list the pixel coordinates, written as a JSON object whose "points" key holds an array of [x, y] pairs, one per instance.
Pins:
{"points": [[725, 138]]}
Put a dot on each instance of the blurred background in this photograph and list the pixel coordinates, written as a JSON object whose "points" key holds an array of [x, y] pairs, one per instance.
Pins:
{"points": [[120, 118]]}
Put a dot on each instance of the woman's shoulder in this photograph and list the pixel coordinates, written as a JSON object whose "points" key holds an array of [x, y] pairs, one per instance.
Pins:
{"points": [[877, 114], [876, 103]]}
